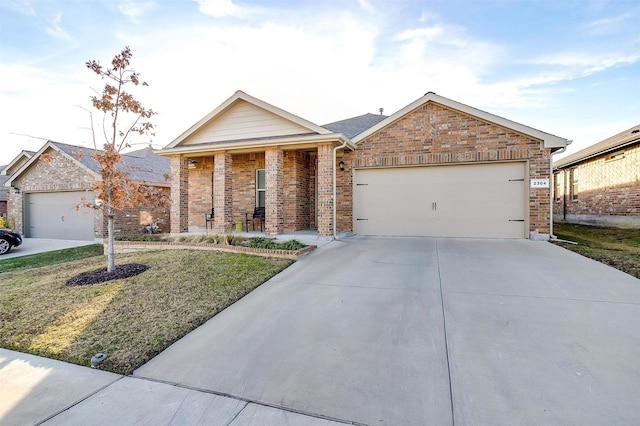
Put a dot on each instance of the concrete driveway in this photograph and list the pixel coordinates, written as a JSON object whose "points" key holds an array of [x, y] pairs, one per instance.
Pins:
{"points": [[41, 245], [416, 331]]}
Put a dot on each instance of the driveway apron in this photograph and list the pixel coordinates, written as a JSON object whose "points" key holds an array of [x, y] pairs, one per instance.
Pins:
{"points": [[353, 332]]}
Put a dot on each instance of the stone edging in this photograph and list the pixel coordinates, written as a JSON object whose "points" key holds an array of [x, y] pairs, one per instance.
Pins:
{"points": [[136, 246]]}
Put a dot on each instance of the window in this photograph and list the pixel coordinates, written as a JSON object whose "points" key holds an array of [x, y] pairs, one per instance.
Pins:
{"points": [[574, 184], [558, 186], [260, 187]]}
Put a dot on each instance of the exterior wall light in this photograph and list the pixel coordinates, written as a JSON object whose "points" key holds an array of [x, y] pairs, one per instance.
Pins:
{"points": [[341, 165]]}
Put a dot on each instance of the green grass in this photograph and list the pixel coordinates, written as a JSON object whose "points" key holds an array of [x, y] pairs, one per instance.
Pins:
{"points": [[132, 319], [619, 248], [51, 257]]}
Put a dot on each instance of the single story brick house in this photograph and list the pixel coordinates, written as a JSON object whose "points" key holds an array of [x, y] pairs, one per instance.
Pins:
{"points": [[434, 168], [5, 172], [45, 190], [600, 185]]}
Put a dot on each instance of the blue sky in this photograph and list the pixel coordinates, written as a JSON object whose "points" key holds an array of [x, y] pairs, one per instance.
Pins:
{"points": [[567, 67]]}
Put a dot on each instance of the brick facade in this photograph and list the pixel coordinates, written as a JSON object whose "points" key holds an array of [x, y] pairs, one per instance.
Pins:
{"points": [[223, 192], [179, 194], [608, 190], [433, 134], [59, 173], [325, 190], [297, 189], [274, 174]]}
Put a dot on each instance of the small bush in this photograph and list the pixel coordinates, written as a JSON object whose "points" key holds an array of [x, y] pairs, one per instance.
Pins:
{"points": [[265, 243]]}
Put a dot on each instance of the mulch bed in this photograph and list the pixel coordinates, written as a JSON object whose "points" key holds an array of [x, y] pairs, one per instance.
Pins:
{"points": [[101, 275]]}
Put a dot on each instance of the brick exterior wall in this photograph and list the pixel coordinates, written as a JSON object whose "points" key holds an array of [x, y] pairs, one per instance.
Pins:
{"points": [[179, 194], [274, 180], [223, 192], [433, 134], [298, 189], [325, 190], [60, 173], [297, 199], [57, 173], [608, 190]]}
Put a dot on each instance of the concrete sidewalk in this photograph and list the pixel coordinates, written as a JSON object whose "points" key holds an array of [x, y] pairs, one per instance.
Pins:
{"points": [[379, 331], [35, 390]]}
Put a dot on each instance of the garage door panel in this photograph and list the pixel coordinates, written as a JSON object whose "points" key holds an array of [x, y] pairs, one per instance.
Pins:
{"points": [[486, 200], [55, 215]]}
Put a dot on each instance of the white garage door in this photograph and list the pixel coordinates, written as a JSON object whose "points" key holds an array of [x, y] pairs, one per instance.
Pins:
{"points": [[482, 201], [54, 215]]}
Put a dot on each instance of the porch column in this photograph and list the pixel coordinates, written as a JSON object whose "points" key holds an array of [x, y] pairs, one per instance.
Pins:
{"points": [[179, 194], [222, 193], [325, 190], [274, 176]]}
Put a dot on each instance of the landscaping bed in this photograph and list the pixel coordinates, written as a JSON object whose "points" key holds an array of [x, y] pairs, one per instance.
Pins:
{"points": [[132, 319], [227, 243]]}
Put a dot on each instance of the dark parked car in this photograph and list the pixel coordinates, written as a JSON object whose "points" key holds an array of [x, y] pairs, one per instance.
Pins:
{"points": [[9, 238]]}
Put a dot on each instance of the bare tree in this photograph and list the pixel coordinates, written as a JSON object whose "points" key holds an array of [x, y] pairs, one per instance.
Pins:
{"points": [[124, 117]]}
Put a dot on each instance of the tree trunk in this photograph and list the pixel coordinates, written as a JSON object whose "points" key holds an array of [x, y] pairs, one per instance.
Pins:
{"points": [[111, 253]]}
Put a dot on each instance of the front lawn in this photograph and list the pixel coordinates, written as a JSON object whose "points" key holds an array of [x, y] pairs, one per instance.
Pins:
{"points": [[131, 320], [51, 257], [619, 248]]}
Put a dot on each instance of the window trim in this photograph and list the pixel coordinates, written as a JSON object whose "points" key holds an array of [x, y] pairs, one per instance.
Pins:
{"points": [[575, 184], [258, 189]]}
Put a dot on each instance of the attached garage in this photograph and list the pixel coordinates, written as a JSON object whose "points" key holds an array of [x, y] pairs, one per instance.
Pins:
{"points": [[54, 215], [471, 200]]}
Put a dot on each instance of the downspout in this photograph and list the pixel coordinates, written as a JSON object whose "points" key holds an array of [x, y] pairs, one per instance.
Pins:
{"points": [[552, 183], [335, 226]]}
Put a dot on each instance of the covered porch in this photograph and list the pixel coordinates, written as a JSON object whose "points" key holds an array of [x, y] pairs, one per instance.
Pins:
{"points": [[293, 185]]}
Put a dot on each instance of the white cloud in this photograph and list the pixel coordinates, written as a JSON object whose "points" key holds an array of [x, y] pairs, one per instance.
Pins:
{"points": [[365, 5], [220, 8], [56, 30], [24, 7], [135, 9], [607, 25]]}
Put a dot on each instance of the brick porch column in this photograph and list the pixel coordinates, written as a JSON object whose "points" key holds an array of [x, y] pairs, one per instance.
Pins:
{"points": [[222, 193], [274, 176], [325, 190], [179, 194]]}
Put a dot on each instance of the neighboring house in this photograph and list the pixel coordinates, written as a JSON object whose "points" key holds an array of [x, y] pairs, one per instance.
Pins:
{"points": [[46, 190], [600, 185], [435, 168], [5, 173], [3, 195]]}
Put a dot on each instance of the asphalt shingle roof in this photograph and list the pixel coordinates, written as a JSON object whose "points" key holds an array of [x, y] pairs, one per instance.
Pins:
{"points": [[142, 165], [351, 127], [627, 137]]}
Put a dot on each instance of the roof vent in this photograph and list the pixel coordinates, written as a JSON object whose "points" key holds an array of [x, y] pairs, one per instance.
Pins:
{"points": [[633, 132], [433, 93], [381, 111]]}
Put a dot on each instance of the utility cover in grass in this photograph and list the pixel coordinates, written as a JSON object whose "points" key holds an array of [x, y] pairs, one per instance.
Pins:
{"points": [[101, 275]]}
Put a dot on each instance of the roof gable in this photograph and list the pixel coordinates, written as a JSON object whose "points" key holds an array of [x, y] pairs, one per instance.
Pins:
{"points": [[244, 117], [16, 163], [618, 141], [550, 141]]}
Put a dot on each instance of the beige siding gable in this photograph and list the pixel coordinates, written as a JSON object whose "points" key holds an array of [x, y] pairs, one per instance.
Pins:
{"points": [[244, 120]]}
